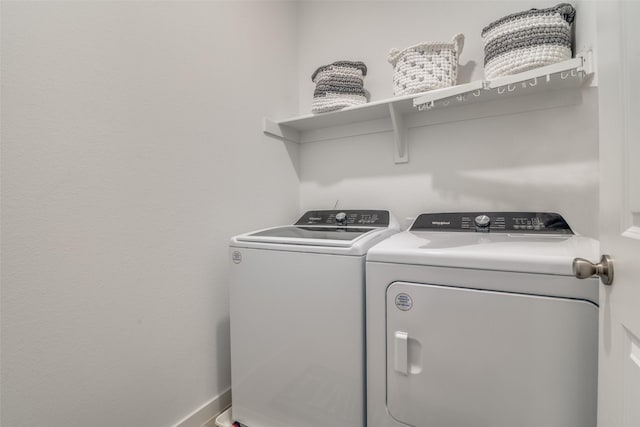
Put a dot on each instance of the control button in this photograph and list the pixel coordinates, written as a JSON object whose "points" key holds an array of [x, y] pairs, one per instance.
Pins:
{"points": [[482, 221], [341, 217], [516, 227]]}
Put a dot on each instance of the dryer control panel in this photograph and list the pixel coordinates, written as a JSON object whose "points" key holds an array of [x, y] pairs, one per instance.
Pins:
{"points": [[503, 222], [346, 218]]}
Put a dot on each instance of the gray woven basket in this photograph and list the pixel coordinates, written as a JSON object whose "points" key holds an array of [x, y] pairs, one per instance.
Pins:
{"points": [[338, 85], [527, 40]]}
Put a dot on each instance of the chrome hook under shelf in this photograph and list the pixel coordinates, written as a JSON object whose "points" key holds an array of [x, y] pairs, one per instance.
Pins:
{"points": [[564, 75], [511, 88], [461, 98], [574, 73], [476, 92], [535, 82], [429, 105], [503, 90]]}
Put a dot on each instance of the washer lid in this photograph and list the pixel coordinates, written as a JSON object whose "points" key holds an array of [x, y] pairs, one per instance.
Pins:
{"points": [[347, 232], [520, 252], [316, 236]]}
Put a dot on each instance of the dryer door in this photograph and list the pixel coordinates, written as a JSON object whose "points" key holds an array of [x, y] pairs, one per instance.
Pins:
{"points": [[461, 357]]}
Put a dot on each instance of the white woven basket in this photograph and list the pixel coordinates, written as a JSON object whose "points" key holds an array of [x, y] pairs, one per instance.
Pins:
{"points": [[426, 66], [526, 40]]}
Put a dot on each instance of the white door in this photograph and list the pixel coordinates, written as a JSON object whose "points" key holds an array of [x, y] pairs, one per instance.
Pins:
{"points": [[619, 105]]}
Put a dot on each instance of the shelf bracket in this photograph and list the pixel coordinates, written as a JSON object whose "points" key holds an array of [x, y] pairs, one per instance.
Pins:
{"points": [[400, 149], [587, 62], [272, 128]]}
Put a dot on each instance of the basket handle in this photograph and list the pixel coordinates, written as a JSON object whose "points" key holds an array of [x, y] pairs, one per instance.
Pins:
{"points": [[458, 42], [394, 54], [567, 12]]}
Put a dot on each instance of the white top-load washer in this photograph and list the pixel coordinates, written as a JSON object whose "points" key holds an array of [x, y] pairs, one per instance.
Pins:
{"points": [[476, 320], [297, 319]]}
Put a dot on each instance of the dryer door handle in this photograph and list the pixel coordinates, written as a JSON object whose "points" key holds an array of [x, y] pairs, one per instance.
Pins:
{"points": [[401, 352]]}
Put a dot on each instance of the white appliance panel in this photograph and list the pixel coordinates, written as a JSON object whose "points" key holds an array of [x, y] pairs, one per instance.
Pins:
{"points": [[304, 362], [460, 357], [526, 253]]}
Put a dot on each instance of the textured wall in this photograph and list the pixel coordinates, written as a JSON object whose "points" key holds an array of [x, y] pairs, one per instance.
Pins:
{"points": [[131, 151]]}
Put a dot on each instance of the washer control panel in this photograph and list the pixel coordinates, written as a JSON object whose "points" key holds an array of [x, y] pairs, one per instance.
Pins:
{"points": [[504, 222], [345, 218]]}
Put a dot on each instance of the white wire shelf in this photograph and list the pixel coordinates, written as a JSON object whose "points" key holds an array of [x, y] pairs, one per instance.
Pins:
{"points": [[563, 75], [399, 113]]}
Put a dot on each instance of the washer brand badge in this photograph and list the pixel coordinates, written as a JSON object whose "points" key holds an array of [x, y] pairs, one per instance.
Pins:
{"points": [[404, 302], [440, 222], [236, 256]]}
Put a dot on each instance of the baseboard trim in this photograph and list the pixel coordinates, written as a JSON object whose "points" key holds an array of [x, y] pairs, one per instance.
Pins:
{"points": [[210, 409]]}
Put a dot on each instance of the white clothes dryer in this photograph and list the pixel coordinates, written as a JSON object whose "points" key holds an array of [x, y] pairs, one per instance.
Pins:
{"points": [[476, 320], [297, 319]]}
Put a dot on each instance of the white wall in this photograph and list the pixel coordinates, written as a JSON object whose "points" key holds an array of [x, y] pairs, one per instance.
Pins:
{"points": [[543, 160], [131, 151]]}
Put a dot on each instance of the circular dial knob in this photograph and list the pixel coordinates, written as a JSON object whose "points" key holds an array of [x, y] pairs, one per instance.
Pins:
{"points": [[341, 217], [482, 221]]}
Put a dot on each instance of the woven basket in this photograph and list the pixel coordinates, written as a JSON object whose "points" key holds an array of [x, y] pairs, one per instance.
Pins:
{"points": [[338, 85], [426, 66], [526, 40]]}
